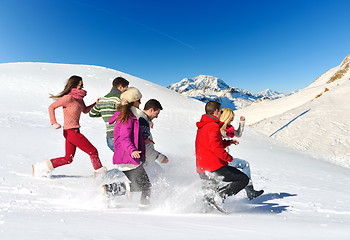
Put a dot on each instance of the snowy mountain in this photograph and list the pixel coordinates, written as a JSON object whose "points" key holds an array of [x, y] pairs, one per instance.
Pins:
{"points": [[206, 88], [305, 196], [315, 119]]}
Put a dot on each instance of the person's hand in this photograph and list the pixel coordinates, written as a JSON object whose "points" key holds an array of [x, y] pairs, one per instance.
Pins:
{"points": [[98, 99], [149, 141], [165, 160], [56, 125], [242, 118], [234, 141], [151, 124], [135, 154]]}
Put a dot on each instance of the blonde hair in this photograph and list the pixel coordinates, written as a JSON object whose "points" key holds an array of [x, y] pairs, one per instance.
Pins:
{"points": [[226, 117]]}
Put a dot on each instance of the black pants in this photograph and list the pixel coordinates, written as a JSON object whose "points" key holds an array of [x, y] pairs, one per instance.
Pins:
{"points": [[139, 181], [237, 180]]}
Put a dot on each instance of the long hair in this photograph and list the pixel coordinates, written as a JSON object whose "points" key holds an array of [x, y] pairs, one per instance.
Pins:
{"points": [[226, 117], [125, 112], [72, 82]]}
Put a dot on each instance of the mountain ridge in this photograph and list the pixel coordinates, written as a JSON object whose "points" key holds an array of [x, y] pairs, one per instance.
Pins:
{"points": [[315, 119], [205, 88]]}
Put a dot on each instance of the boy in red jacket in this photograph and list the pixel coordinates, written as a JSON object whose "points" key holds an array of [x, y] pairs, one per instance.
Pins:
{"points": [[212, 158]]}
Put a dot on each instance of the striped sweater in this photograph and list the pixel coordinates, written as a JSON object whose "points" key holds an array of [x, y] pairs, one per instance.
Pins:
{"points": [[105, 108]]}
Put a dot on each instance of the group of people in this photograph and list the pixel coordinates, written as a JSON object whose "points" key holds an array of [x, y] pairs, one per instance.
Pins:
{"points": [[128, 135], [214, 135]]}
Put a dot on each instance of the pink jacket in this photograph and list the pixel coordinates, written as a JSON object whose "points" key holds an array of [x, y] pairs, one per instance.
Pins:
{"points": [[127, 138]]}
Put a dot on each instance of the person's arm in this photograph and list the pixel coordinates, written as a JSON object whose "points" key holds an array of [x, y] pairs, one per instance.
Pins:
{"points": [[153, 155], [95, 111], [87, 109], [216, 143], [239, 131], [61, 102]]}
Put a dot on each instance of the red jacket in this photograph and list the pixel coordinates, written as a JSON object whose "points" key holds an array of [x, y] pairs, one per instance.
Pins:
{"points": [[210, 148]]}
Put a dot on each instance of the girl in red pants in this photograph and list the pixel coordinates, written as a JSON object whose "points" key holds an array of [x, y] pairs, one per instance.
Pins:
{"points": [[71, 99]]}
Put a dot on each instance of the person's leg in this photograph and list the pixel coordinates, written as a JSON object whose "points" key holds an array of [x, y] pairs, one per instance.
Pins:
{"points": [[237, 180], [70, 152], [140, 182], [241, 164], [210, 182], [110, 143], [245, 166], [80, 141]]}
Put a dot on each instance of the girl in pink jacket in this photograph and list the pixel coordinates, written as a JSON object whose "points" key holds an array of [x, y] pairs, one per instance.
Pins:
{"points": [[71, 100], [129, 149]]}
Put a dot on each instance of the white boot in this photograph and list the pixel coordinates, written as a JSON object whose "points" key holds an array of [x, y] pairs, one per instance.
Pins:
{"points": [[100, 170], [100, 173], [42, 169]]}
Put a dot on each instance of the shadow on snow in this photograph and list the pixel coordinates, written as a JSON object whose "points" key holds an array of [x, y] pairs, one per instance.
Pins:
{"points": [[260, 204]]}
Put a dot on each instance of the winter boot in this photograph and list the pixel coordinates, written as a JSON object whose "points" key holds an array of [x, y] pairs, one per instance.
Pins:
{"points": [[116, 189], [100, 173], [42, 169], [251, 193]]}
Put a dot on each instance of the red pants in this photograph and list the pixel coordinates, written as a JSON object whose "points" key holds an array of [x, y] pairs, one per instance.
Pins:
{"points": [[75, 139]]}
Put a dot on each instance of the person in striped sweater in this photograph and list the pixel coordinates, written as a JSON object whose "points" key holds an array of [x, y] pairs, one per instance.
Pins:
{"points": [[107, 106]]}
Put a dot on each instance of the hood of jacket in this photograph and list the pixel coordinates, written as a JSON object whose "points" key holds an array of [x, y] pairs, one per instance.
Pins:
{"points": [[208, 118]]}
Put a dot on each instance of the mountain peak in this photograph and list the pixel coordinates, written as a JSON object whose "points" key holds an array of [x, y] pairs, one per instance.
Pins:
{"points": [[345, 63], [201, 82], [206, 88]]}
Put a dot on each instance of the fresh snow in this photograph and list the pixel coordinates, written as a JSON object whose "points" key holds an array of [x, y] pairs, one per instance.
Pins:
{"points": [[314, 119], [305, 196]]}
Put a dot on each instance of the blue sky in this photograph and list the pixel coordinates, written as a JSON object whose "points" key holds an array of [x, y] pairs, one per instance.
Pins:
{"points": [[251, 44]]}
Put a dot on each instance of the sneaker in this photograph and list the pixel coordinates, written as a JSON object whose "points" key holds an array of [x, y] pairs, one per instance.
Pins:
{"points": [[100, 173], [115, 189]]}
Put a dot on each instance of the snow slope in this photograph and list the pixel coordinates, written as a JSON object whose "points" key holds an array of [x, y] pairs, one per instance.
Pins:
{"points": [[315, 119], [305, 196]]}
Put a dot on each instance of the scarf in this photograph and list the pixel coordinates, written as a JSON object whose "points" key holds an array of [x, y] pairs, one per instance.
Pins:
{"points": [[77, 93]]}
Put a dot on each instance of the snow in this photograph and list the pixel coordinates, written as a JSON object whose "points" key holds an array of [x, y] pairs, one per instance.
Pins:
{"points": [[206, 88], [314, 119], [305, 196]]}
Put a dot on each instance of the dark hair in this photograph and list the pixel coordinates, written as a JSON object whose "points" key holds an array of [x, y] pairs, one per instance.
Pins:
{"points": [[211, 106], [72, 82], [120, 81], [153, 103], [125, 112]]}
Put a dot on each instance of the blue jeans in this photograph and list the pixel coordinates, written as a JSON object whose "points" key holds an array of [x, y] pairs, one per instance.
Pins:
{"points": [[241, 164], [110, 143]]}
